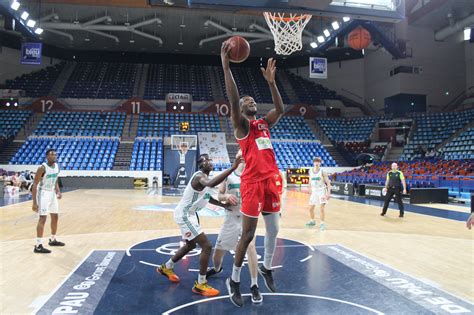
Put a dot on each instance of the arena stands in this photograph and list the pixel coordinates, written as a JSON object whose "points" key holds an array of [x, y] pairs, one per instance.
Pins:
{"points": [[103, 124], [37, 83], [347, 129], [74, 153], [11, 121], [192, 79], [147, 155], [300, 154], [292, 128], [101, 80], [309, 92], [462, 147], [167, 124], [432, 129]]}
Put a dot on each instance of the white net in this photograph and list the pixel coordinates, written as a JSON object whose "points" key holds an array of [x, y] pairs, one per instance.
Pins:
{"points": [[287, 30]]}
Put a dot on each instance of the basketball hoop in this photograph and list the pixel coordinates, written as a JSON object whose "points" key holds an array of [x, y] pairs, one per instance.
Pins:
{"points": [[183, 149], [287, 30]]}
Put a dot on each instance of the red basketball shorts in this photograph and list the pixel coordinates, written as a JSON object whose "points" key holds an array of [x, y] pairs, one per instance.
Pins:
{"points": [[261, 196]]}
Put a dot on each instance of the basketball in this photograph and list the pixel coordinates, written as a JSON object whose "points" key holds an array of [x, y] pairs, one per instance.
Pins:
{"points": [[359, 38], [240, 49]]}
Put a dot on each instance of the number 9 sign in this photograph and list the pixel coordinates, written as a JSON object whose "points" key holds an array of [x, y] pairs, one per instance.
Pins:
{"points": [[302, 110]]}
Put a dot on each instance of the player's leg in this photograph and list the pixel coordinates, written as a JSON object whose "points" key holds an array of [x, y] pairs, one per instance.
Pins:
{"points": [[226, 240], [42, 216], [388, 196], [322, 225], [252, 201], [398, 199], [271, 215], [53, 210], [311, 222], [201, 286], [253, 270], [190, 229]]}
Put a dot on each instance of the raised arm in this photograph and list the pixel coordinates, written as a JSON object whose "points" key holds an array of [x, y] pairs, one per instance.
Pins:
{"points": [[269, 74], [34, 190], [231, 88], [200, 180]]}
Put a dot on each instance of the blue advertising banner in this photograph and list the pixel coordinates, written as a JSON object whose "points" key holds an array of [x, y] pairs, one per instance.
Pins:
{"points": [[318, 68], [31, 53]]}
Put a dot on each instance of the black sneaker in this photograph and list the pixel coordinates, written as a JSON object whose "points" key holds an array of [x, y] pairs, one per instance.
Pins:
{"points": [[382, 214], [256, 296], [234, 292], [55, 243], [212, 272], [39, 249], [401, 215], [267, 277]]}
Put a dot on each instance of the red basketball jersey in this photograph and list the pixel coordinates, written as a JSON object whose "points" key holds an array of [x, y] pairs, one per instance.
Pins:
{"points": [[257, 151]]}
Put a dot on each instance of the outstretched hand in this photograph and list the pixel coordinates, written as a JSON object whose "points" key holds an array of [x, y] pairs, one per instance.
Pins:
{"points": [[269, 72], [225, 49]]}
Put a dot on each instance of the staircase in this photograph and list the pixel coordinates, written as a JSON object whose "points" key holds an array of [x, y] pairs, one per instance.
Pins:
{"points": [[285, 83], [123, 156], [217, 89], [129, 132], [140, 81], [61, 81], [9, 151], [394, 154], [340, 161], [455, 135], [318, 131], [29, 127]]}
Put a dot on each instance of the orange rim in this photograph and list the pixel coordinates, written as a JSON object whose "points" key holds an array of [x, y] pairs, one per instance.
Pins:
{"points": [[288, 19]]}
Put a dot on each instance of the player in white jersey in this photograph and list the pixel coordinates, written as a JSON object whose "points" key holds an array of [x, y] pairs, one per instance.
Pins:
{"points": [[46, 193], [320, 191], [231, 230], [196, 196]]}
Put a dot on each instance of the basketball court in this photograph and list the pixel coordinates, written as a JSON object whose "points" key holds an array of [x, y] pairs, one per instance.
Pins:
{"points": [[362, 263]]}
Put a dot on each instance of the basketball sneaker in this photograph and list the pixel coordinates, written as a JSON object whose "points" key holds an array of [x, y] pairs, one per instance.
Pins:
{"points": [[256, 296], [55, 243], [39, 249], [310, 223], [204, 289], [322, 227], [168, 273], [234, 292], [267, 277], [212, 272]]}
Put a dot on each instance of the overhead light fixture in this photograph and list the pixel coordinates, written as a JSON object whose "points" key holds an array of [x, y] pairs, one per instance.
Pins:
{"points": [[446, 93], [31, 23], [15, 104], [346, 19], [363, 52], [8, 104], [25, 15], [313, 45], [320, 39], [180, 43], [335, 25], [39, 31], [15, 5], [132, 41], [326, 33], [87, 39], [467, 33]]}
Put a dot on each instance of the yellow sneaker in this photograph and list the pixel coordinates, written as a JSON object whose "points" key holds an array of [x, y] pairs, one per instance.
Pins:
{"points": [[168, 273], [204, 289]]}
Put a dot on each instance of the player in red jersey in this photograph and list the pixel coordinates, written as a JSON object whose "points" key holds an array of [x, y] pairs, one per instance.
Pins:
{"points": [[259, 180]]}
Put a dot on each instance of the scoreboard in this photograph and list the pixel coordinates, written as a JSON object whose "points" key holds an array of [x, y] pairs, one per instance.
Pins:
{"points": [[297, 176]]}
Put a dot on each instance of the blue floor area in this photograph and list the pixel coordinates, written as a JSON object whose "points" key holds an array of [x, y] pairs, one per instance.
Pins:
{"points": [[327, 279]]}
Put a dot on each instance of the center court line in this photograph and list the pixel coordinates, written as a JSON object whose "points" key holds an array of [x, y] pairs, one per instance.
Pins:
{"points": [[274, 294]]}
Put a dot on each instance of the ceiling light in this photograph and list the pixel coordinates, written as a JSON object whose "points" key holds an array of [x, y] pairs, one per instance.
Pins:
{"points": [[346, 19], [25, 15], [326, 33], [321, 39], [31, 23], [335, 25], [39, 31], [313, 45], [467, 34], [15, 5]]}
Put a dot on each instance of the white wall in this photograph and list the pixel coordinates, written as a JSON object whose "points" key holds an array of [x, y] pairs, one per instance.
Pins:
{"points": [[11, 68]]}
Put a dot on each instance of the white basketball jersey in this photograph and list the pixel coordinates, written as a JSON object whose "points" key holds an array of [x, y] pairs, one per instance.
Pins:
{"points": [[233, 188], [192, 200], [50, 176], [316, 179]]}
